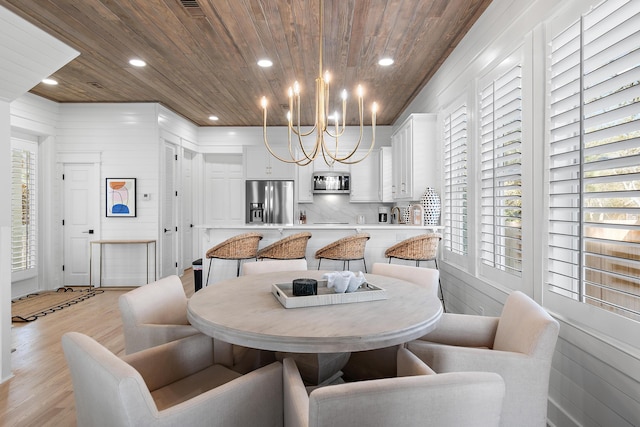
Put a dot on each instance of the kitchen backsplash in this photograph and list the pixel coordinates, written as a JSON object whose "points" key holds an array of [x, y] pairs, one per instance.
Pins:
{"points": [[335, 208]]}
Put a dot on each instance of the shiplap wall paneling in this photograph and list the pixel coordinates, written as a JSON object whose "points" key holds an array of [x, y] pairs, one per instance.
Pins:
{"points": [[127, 137]]}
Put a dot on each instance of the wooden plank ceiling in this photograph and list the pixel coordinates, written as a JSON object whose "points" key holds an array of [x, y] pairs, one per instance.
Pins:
{"points": [[202, 54]]}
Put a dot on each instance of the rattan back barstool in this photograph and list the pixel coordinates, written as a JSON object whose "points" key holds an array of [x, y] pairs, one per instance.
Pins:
{"points": [[290, 247], [242, 246], [350, 248]]}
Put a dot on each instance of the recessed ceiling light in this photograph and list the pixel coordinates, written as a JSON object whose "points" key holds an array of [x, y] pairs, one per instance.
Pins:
{"points": [[265, 63], [49, 81], [137, 62], [385, 62], [214, 118]]}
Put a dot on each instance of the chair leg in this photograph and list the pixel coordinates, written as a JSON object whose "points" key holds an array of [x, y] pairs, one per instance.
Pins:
{"points": [[238, 270], [319, 262], [208, 272], [365, 265], [440, 286]]}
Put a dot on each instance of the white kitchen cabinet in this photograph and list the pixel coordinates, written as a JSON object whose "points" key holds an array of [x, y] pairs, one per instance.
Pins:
{"points": [[260, 164], [304, 185], [386, 175], [366, 182], [415, 157], [319, 165]]}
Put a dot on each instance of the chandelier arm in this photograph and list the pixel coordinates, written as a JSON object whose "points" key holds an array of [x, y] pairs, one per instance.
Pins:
{"points": [[300, 162], [321, 125]]}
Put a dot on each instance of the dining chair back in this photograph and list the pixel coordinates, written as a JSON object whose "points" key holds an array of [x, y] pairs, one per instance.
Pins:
{"points": [[381, 362], [176, 383], [415, 399], [271, 266], [154, 314]]}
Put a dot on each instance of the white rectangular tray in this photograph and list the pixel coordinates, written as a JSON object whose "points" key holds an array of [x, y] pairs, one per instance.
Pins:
{"points": [[326, 296]]}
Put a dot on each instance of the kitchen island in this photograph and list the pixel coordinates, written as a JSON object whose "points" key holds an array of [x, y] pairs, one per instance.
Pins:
{"points": [[382, 237]]}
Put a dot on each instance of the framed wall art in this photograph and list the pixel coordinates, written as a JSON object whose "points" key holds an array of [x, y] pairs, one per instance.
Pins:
{"points": [[121, 197]]}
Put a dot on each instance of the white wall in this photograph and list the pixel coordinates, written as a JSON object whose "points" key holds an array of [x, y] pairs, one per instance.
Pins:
{"points": [[231, 139], [595, 378], [126, 139], [5, 243], [28, 55]]}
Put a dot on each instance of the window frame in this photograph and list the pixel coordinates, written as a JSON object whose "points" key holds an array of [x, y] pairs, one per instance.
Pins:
{"points": [[609, 326], [448, 254], [486, 272], [31, 271]]}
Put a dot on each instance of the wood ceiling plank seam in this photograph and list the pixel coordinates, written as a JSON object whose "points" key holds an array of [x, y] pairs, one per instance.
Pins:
{"points": [[225, 56], [240, 89], [274, 87], [356, 38]]}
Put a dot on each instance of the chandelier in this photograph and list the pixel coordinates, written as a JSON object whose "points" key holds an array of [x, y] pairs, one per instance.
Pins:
{"points": [[329, 147]]}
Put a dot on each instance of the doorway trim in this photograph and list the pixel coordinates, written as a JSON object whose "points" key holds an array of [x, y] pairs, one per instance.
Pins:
{"points": [[62, 158]]}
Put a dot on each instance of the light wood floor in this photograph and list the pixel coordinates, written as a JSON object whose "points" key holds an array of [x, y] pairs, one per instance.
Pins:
{"points": [[40, 392]]}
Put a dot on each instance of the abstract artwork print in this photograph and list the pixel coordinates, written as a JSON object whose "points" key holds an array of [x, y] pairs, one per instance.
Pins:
{"points": [[121, 197]]}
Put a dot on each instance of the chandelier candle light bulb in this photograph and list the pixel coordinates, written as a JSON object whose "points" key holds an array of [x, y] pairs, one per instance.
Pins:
{"points": [[321, 126]]}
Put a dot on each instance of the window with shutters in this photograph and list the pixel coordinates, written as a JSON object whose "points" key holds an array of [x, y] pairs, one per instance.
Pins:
{"points": [[501, 175], [455, 181], [594, 159], [24, 238]]}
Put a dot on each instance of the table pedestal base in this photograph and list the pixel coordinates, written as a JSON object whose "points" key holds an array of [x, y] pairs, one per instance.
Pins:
{"points": [[316, 369]]}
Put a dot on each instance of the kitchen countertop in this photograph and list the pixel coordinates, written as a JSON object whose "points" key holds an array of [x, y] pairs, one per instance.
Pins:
{"points": [[337, 226]]}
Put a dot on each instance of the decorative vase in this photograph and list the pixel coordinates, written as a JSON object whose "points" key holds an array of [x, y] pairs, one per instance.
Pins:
{"points": [[431, 205], [406, 215]]}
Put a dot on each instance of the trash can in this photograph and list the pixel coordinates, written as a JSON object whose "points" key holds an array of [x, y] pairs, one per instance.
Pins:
{"points": [[197, 273]]}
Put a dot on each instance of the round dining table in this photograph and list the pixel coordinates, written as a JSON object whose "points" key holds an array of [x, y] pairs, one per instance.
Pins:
{"points": [[244, 311]]}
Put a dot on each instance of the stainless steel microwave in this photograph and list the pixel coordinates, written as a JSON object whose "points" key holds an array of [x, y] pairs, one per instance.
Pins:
{"points": [[331, 182]]}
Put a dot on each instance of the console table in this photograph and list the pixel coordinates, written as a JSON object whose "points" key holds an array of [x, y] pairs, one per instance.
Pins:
{"points": [[101, 243]]}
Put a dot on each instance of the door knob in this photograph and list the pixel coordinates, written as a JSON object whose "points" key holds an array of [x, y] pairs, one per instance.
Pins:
{"points": [[88, 232], [166, 229]]}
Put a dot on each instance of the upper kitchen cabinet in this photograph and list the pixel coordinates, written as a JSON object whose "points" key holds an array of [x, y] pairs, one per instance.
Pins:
{"points": [[320, 165], [366, 178], [415, 157], [304, 176], [260, 164]]}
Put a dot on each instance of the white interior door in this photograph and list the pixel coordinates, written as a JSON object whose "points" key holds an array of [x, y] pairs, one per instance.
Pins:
{"points": [[169, 264], [80, 220], [186, 203]]}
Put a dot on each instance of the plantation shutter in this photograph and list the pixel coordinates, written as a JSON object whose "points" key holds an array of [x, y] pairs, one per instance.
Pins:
{"points": [[501, 164], [24, 239], [455, 181], [594, 159]]}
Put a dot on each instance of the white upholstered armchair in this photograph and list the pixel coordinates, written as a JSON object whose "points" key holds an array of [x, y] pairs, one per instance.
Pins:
{"points": [[416, 399], [518, 345], [154, 314], [381, 363], [174, 384]]}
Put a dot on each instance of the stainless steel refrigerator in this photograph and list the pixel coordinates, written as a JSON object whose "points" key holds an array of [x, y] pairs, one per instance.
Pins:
{"points": [[269, 202]]}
